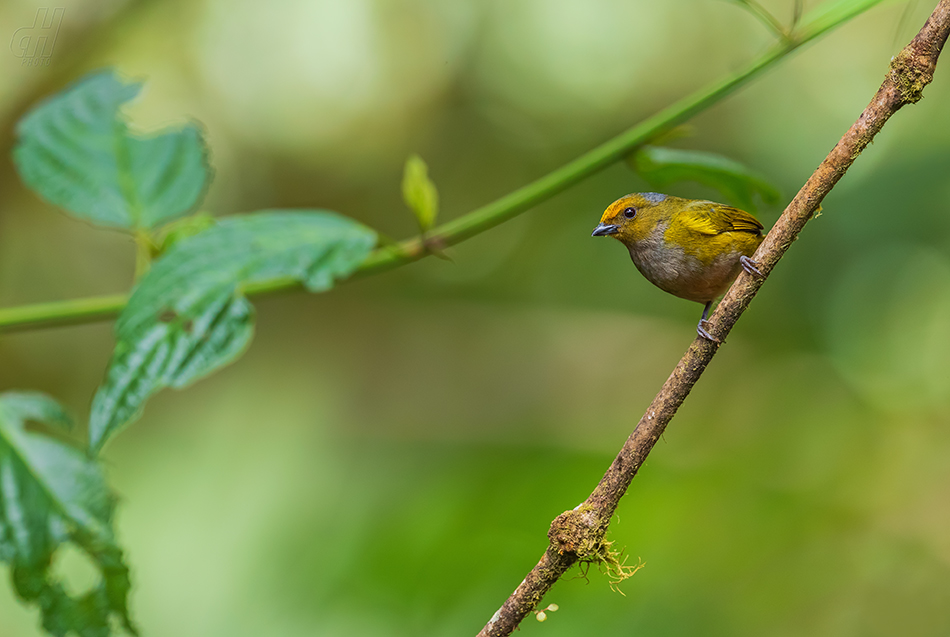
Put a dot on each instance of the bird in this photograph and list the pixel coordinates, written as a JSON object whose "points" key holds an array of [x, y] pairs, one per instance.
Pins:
{"points": [[693, 249]]}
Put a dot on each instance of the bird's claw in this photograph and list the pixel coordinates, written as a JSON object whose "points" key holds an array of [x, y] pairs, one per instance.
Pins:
{"points": [[704, 334], [751, 266]]}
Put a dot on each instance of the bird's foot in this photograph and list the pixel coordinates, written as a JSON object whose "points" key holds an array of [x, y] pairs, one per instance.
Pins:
{"points": [[751, 266], [704, 334]]}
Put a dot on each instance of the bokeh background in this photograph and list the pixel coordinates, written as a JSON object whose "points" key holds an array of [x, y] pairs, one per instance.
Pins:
{"points": [[386, 458]]}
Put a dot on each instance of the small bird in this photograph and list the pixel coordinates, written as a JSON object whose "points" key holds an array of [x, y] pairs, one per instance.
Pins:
{"points": [[690, 248]]}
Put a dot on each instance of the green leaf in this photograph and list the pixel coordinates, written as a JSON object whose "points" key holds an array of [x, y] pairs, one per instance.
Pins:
{"points": [[76, 150], [187, 317], [419, 193], [664, 166], [51, 494]]}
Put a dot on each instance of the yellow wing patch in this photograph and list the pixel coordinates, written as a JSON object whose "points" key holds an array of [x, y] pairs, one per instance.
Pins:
{"points": [[701, 223], [710, 218]]}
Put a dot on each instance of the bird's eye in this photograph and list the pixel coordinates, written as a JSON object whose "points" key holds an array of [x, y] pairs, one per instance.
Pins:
{"points": [[629, 212]]}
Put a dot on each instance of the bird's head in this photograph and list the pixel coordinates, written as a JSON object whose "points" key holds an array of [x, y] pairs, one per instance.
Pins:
{"points": [[631, 218]]}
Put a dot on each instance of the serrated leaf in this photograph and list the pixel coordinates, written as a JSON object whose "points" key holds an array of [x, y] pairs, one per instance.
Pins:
{"points": [[76, 150], [738, 184], [51, 494], [419, 192], [187, 317]]}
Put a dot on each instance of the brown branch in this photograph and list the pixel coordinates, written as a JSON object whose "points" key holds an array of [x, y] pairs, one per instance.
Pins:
{"points": [[579, 534]]}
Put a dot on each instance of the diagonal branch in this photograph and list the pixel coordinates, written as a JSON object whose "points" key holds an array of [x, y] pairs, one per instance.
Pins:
{"points": [[579, 534]]}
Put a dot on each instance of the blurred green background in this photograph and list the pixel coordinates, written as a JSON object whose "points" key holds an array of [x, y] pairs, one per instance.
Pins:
{"points": [[386, 458]]}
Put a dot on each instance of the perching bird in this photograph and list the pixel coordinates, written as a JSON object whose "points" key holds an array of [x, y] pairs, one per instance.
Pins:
{"points": [[692, 249]]}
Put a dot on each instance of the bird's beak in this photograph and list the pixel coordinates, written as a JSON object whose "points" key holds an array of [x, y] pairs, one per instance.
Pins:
{"points": [[605, 229]]}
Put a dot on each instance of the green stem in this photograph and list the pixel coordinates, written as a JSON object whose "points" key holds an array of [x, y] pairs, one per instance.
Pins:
{"points": [[386, 257], [72, 312], [766, 18], [143, 253]]}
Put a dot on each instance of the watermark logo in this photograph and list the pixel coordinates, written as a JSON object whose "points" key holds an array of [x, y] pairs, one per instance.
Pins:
{"points": [[34, 45]]}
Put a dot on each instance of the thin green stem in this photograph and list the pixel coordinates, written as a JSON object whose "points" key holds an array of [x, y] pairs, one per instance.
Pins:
{"points": [[481, 219], [766, 18], [797, 13], [143, 253], [72, 312]]}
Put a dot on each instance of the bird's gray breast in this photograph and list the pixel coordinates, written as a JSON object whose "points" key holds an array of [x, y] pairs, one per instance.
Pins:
{"points": [[669, 268], [660, 263]]}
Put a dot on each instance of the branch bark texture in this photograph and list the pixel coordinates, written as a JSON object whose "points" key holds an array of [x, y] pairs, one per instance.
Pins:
{"points": [[579, 534]]}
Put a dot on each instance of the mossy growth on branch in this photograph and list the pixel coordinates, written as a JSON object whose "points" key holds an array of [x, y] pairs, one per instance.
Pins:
{"points": [[581, 532]]}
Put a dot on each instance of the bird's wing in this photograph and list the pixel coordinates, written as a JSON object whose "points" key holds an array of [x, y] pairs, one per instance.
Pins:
{"points": [[709, 218], [740, 219]]}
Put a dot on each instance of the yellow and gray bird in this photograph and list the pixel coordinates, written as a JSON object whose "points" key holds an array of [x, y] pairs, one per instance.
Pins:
{"points": [[690, 248]]}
